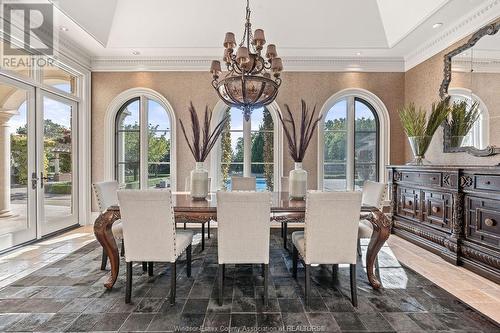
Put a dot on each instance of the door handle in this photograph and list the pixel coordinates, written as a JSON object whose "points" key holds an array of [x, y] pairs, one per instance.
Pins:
{"points": [[34, 181], [42, 179]]}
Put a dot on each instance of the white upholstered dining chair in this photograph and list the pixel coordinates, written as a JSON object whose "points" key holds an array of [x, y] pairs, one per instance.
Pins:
{"points": [[243, 232], [329, 236], [149, 233], [243, 184], [289, 218], [187, 188], [373, 195], [106, 196]]}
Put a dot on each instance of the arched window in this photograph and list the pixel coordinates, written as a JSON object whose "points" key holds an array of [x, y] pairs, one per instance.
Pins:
{"points": [[247, 148], [143, 141], [478, 136], [352, 147]]}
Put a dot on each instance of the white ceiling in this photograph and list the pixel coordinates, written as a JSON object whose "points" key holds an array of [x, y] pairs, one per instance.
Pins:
{"points": [[394, 30]]}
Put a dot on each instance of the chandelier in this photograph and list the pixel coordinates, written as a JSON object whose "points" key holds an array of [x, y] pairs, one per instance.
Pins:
{"points": [[252, 81]]}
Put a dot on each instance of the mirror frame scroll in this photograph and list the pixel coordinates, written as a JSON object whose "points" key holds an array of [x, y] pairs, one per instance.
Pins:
{"points": [[488, 30]]}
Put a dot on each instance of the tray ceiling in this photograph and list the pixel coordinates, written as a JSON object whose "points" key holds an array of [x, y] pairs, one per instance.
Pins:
{"points": [[320, 29]]}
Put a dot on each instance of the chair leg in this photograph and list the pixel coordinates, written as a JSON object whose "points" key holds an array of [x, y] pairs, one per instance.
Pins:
{"points": [[208, 229], [184, 225], [202, 236], [122, 252], [223, 271], [308, 284], [150, 268], [266, 285], [104, 260], [377, 267], [173, 279], [360, 253], [354, 293], [144, 266], [128, 287], [335, 271], [188, 260], [295, 258], [263, 268], [285, 234], [282, 229], [221, 283]]}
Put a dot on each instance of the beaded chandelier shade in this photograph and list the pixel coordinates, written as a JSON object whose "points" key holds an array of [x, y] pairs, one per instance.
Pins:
{"points": [[253, 79]]}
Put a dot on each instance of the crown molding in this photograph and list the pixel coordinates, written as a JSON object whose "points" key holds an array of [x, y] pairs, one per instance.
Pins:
{"points": [[291, 64], [463, 27], [483, 65]]}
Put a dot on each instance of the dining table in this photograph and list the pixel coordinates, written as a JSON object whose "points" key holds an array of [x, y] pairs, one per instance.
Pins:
{"points": [[203, 211]]}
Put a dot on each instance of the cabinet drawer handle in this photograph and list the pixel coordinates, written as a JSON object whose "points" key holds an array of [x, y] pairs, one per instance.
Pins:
{"points": [[433, 178], [487, 182], [489, 222], [410, 203], [435, 209]]}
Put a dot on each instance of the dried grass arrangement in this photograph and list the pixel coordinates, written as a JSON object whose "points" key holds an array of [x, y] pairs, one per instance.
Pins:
{"points": [[202, 140], [462, 118], [298, 139]]}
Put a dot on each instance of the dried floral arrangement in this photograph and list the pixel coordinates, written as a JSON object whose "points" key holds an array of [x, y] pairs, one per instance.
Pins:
{"points": [[203, 140], [298, 139]]}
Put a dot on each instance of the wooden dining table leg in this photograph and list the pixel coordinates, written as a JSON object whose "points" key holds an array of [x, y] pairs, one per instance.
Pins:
{"points": [[104, 235], [381, 231]]}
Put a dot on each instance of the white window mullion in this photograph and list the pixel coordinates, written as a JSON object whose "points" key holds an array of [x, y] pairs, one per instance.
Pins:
{"points": [[247, 148], [143, 125], [350, 143]]}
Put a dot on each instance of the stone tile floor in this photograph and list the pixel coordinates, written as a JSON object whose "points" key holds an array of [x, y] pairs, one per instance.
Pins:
{"points": [[68, 295]]}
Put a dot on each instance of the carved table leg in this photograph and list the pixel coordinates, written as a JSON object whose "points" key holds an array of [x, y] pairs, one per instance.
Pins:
{"points": [[381, 232], [103, 233]]}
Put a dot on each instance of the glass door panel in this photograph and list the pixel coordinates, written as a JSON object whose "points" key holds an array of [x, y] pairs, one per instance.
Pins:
{"points": [[57, 164], [17, 196]]}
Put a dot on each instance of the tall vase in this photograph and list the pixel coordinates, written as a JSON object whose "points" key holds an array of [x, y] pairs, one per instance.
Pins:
{"points": [[199, 182], [297, 182], [419, 146]]}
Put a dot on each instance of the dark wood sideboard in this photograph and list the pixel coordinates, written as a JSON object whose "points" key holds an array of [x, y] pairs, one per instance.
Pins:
{"points": [[451, 211]]}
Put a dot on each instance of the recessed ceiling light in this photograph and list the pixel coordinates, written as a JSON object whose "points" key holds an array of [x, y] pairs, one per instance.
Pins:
{"points": [[136, 52], [437, 25], [358, 53], [63, 28]]}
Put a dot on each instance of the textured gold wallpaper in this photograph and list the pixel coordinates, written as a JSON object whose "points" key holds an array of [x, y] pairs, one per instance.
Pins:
{"points": [[179, 88]]}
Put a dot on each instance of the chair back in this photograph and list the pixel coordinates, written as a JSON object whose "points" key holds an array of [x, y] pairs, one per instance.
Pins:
{"points": [[373, 193], [243, 184], [148, 225], [284, 184], [331, 227], [243, 228], [106, 194]]}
